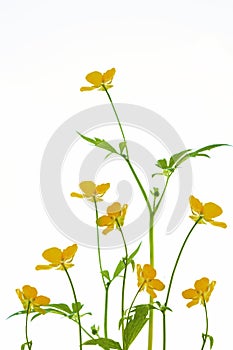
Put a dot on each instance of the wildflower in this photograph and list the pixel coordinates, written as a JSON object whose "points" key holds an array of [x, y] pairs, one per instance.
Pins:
{"points": [[146, 280], [201, 293], [59, 259], [100, 81], [30, 300], [91, 191], [116, 216], [206, 211]]}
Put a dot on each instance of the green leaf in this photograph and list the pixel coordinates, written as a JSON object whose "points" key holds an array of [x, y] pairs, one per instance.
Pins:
{"points": [[135, 325], [104, 343], [162, 163], [62, 307], [77, 306], [211, 339], [105, 273], [122, 146], [23, 346], [100, 143], [121, 265], [18, 313], [175, 157]]}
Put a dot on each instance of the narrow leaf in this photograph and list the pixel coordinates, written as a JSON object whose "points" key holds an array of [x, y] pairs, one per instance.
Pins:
{"points": [[62, 307], [175, 157], [135, 325], [122, 146], [105, 273], [162, 163], [104, 343]]}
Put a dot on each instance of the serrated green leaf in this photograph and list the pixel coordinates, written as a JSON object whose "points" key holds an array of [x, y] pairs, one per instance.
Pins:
{"points": [[162, 163], [121, 265], [100, 143], [105, 273], [135, 325], [104, 343]]}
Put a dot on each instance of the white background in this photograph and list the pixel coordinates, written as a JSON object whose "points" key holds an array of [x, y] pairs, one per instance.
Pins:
{"points": [[174, 57]]}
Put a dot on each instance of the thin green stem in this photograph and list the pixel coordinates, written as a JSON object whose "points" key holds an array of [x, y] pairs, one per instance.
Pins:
{"points": [[151, 314], [118, 120], [155, 208], [26, 327], [133, 301], [207, 325], [106, 311], [171, 280], [98, 243], [123, 283], [177, 260], [76, 305]]}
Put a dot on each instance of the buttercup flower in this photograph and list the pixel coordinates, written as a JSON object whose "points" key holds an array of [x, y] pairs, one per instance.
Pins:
{"points": [[206, 211], [91, 191], [116, 215], [30, 300], [99, 80], [146, 280], [201, 293], [59, 259]]}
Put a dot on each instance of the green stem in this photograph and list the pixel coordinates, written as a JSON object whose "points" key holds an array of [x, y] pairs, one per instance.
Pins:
{"points": [[171, 281], [162, 195], [106, 285], [118, 120], [76, 305], [98, 243], [123, 284], [177, 260], [151, 314], [26, 327], [106, 311], [133, 301], [207, 325]]}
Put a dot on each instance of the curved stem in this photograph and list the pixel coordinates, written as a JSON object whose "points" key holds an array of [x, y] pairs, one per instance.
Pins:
{"points": [[207, 325], [177, 260], [162, 195], [133, 301], [171, 281], [26, 327], [76, 305], [151, 314], [123, 284], [118, 120]]}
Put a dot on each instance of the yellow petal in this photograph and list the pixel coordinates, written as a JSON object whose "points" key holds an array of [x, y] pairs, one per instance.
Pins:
{"points": [[151, 292], [41, 300], [74, 194], [108, 229], [114, 209], [192, 303], [69, 252], [202, 284], [53, 255], [94, 78], [101, 189], [87, 88], [218, 223], [44, 267], [196, 205], [108, 76], [88, 188], [105, 221], [148, 271], [189, 293], [20, 294], [157, 284], [211, 210], [29, 292]]}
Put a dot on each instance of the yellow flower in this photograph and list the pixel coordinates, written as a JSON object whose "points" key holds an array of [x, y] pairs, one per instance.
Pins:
{"points": [[100, 81], [116, 216], [30, 300], [201, 293], [59, 259], [206, 211], [146, 280], [91, 191]]}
